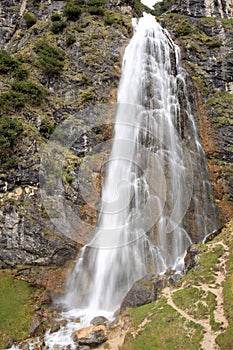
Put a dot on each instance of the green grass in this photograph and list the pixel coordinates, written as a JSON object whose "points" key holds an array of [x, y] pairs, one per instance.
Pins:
{"points": [[167, 329], [16, 308], [225, 339]]}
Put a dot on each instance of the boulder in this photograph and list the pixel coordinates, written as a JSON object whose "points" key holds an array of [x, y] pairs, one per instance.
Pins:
{"points": [[90, 336], [143, 291], [191, 256]]}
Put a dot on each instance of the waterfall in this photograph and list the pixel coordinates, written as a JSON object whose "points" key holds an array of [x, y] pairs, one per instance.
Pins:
{"points": [[156, 197]]}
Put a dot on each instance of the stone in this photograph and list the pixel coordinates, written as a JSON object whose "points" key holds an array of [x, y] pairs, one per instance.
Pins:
{"points": [[190, 258], [99, 320], [143, 291], [91, 336], [35, 327]]}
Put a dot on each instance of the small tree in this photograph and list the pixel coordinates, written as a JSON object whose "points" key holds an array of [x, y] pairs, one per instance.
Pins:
{"points": [[30, 19], [51, 59]]}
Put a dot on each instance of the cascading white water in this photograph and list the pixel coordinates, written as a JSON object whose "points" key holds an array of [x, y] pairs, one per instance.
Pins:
{"points": [[156, 196]]}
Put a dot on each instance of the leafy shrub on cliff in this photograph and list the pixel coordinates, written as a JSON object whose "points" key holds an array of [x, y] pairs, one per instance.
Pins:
{"points": [[7, 63], [30, 19], [70, 39], [51, 58], [57, 27], [10, 129], [184, 28], [33, 93], [96, 7], [72, 10], [55, 17], [11, 101], [20, 73]]}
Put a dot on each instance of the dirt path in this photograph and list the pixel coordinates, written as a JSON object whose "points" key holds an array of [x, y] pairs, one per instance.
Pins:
{"points": [[209, 336]]}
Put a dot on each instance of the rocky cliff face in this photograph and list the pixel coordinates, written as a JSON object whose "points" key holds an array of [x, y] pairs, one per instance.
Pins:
{"points": [[204, 8], [206, 50], [55, 64]]}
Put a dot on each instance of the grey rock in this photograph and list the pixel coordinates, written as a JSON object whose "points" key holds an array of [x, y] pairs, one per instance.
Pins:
{"points": [[143, 291]]}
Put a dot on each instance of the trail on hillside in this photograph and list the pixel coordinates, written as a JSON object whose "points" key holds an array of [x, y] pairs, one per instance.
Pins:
{"points": [[209, 335]]}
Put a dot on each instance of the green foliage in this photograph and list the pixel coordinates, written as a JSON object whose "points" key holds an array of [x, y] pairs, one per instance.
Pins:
{"points": [[20, 73], [10, 129], [96, 7], [161, 330], [184, 28], [225, 339], [70, 39], [72, 10], [16, 308], [46, 127], [7, 63], [57, 27], [161, 7], [33, 93], [95, 10], [51, 58], [55, 17], [11, 101], [87, 95], [30, 19], [109, 20]]}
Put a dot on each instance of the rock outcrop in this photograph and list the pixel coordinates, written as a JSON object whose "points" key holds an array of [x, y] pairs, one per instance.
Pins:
{"points": [[84, 75], [204, 8]]}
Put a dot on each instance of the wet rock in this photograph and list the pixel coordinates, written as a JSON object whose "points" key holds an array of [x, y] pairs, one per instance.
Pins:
{"points": [[191, 257], [143, 291], [35, 327], [91, 336], [99, 320]]}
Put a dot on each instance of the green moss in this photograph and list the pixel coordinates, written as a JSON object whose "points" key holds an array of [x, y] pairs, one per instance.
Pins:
{"points": [[16, 308]]}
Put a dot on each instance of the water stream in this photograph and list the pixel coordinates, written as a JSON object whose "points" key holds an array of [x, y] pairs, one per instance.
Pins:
{"points": [[156, 198]]}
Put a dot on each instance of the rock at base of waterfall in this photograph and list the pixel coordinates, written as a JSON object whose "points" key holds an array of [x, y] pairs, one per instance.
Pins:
{"points": [[144, 291], [35, 327], [99, 320], [190, 258], [91, 336]]}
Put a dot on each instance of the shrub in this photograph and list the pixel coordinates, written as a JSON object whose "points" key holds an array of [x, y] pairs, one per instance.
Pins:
{"points": [[10, 128], [30, 19], [57, 27], [55, 17], [184, 28], [109, 20], [70, 39], [46, 127], [96, 7], [72, 11], [20, 73], [51, 59], [34, 94], [95, 10], [7, 63], [11, 101]]}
